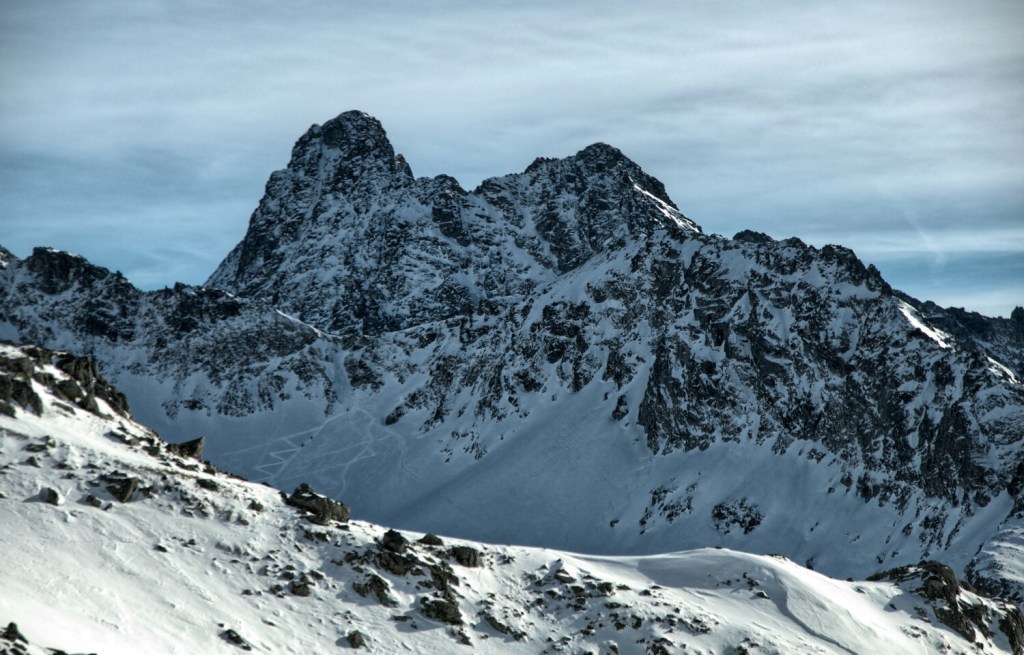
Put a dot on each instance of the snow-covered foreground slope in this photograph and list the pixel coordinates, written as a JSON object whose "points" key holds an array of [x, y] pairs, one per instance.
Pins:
{"points": [[114, 541]]}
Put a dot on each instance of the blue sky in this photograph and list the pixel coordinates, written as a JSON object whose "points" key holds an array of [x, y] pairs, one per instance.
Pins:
{"points": [[140, 134]]}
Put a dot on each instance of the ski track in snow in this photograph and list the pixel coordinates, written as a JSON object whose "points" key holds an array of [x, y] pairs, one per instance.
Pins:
{"points": [[279, 460]]}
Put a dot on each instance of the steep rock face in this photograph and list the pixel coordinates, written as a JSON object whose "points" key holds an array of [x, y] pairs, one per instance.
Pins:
{"points": [[1002, 339], [709, 344], [346, 238], [563, 344]]}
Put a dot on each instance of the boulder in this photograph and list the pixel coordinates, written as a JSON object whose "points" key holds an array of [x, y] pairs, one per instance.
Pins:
{"points": [[235, 639], [465, 555], [48, 495], [356, 639], [430, 540], [124, 490], [323, 509], [394, 541], [192, 449]]}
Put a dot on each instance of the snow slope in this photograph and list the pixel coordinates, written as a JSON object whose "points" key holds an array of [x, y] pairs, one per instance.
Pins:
{"points": [[197, 561]]}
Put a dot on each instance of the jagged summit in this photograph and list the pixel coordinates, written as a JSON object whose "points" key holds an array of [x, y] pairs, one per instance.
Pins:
{"points": [[354, 147], [347, 239], [603, 159]]}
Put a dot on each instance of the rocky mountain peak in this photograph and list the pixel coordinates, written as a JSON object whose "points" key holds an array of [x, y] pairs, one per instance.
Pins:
{"points": [[604, 166], [594, 201], [59, 271], [337, 170], [350, 149], [339, 233]]}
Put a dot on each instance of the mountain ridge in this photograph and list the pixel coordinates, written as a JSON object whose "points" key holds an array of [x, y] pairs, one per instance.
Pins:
{"points": [[565, 338], [345, 194]]}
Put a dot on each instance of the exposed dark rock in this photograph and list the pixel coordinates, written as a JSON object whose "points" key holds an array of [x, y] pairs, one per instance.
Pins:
{"points": [[356, 639], [82, 386], [124, 490], [940, 582], [300, 587], [395, 563], [11, 633], [442, 577], [444, 610], [737, 513], [323, 509], [502, 628], [83, 372], [750, 236], [430, 540], [46, 444], [235, 639], [14, 391], [939, 585], [208, 484], [465, 555], [93, 501], [378, 587], [50, 496], [1012, 625], [192, 449], [394, 541], [621, 410]]}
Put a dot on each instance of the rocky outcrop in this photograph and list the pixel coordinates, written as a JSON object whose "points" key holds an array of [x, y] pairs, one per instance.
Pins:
{"points": [[192, 449], [957, 607], [466, 556], [80, 385], [322, 510], [121, 487], [356, 639]]}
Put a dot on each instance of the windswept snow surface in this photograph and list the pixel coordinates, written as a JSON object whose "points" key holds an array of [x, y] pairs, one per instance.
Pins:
{"points": [[197, 557]]}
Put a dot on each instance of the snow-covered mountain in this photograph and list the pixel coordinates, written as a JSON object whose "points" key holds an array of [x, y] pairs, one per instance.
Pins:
{"points": [[561, 358], [349, 240], [115, 541]]}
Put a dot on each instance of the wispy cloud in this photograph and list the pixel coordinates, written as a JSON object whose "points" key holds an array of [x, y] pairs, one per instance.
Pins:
{"points": [[863, 123]]}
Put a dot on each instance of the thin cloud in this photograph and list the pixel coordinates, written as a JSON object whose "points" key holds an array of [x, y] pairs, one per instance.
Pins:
{"points": [[823, 121]]}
